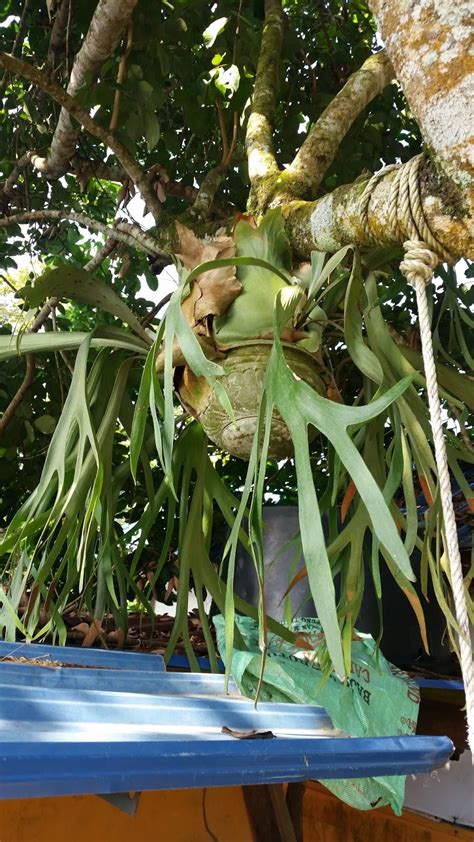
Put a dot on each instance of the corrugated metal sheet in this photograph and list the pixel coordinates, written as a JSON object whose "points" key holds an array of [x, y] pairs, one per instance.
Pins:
{"points": [[132, 726]]}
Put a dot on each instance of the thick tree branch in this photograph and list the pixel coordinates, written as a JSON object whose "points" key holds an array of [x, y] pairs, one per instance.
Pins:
{"points": [[320, 147], [108, 22], [337, 220], [429, 44], [49, 86], [259, 141], [123, 232]]}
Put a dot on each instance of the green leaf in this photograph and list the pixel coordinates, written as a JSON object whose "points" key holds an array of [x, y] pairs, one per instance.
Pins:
{"points": [[265, 272], [37, 343], [213, 30], [45, 424], [71, 282], [144, 89], [152, 129], [363, 357]]}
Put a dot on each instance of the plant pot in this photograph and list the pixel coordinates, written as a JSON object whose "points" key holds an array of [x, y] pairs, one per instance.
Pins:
{"points": [[243, 381]]}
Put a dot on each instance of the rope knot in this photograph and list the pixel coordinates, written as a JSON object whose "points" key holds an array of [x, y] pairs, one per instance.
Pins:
{"points": [[419, 262]]}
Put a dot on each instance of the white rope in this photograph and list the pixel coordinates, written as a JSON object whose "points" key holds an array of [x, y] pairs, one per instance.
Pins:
{"points": [[422, 254], [418, 268]]}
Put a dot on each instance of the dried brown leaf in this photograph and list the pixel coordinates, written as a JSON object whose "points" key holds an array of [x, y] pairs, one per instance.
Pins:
{"points": [[217, 287]]}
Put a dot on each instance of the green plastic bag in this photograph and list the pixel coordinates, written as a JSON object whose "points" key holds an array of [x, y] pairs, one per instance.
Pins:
{"points": [[378, 700]]}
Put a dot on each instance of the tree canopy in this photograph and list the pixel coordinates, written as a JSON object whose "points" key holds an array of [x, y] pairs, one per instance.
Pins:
{"points": [[120, 120]]}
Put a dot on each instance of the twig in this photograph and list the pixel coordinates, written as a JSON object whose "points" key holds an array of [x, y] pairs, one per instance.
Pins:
{"points": [[120, 77], [235, 131], [156, 309], [223, 131], [123, 232], [237, 33], [38, 78], [105, 251], [20, 394], [212, 836]]}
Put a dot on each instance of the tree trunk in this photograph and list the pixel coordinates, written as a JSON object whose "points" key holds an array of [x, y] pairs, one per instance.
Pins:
{"points": [[429, 43]]}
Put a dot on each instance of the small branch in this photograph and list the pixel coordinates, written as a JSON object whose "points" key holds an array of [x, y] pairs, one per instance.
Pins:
{"points": [[320, 147], [123, 232], [214, 178], [223, 130], [103, 253], [259, 141], [120, 78], [11, 180], [58, 34], [49, 86], [20, 394], [235, 131], [155, 310]]}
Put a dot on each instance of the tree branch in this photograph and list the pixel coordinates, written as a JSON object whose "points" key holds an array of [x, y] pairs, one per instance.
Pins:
{"points": [[120, 77], [108, 22], [58, 34], [21, 68], [124, 232], [11, 180], [320, 147], [259, 140], [19, 395], [336, 219]]}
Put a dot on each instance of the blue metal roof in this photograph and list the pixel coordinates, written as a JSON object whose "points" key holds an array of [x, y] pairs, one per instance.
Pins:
{"points": [[133, 727]]}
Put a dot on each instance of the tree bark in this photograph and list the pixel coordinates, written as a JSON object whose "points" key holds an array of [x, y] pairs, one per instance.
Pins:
{"points": [[430, 45]]}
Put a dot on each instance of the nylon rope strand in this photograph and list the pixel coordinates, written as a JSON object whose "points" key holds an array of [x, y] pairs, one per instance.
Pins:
{"points": [[422, 254]]}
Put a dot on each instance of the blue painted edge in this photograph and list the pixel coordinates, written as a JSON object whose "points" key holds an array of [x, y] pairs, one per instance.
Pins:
{"points": [[146, 662], [181, 662], [440, 684], [56, 768], [112, 659]]}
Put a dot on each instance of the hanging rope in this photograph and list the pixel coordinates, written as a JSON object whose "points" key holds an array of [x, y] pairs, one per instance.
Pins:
{"points": [[422, 254]]}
